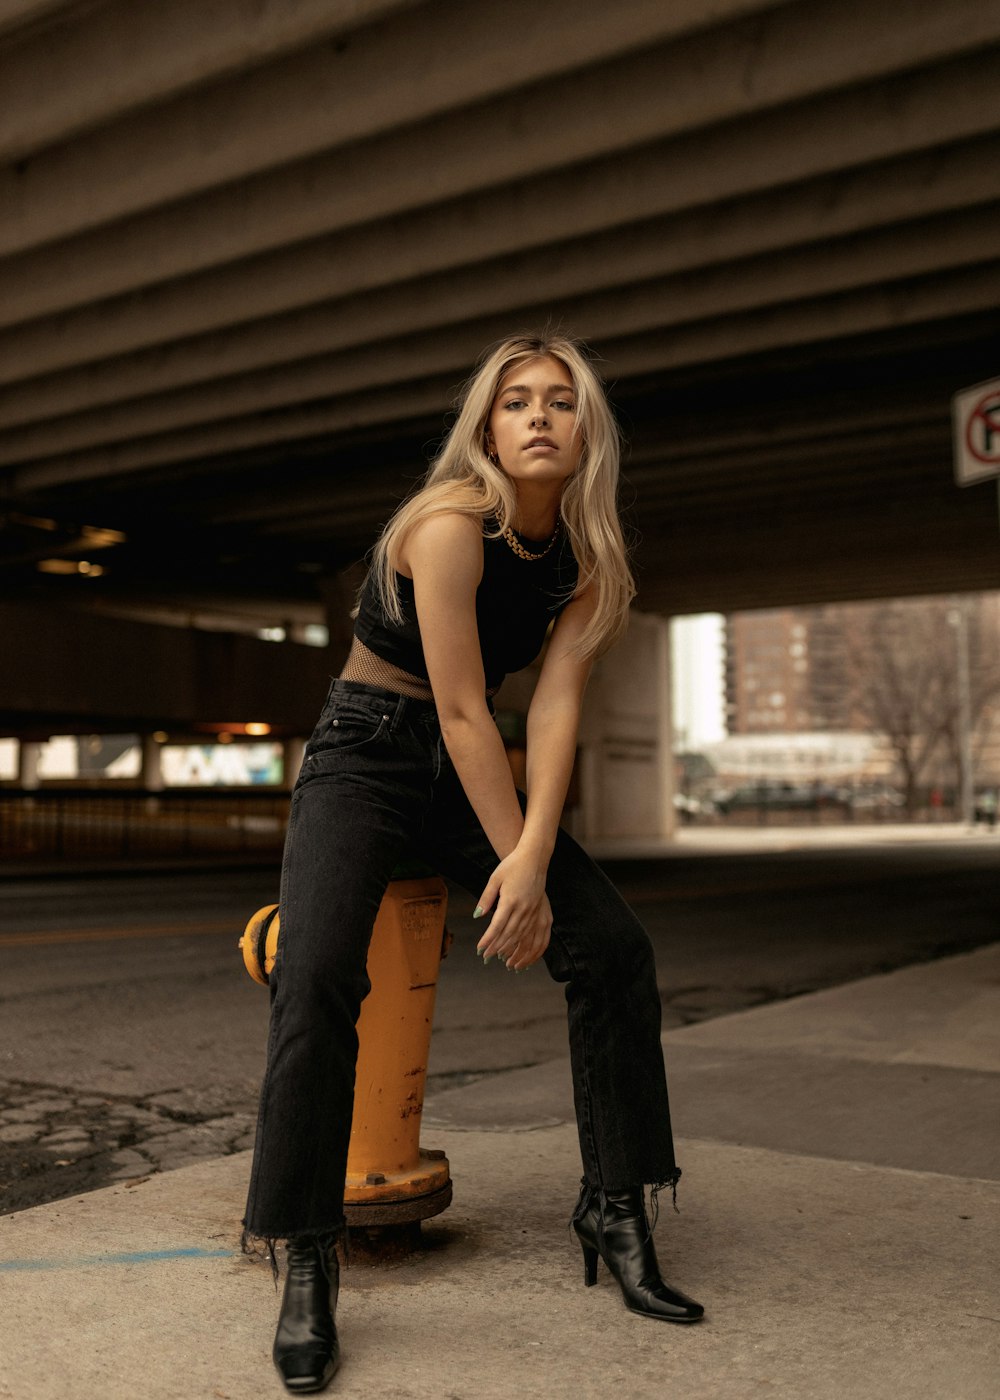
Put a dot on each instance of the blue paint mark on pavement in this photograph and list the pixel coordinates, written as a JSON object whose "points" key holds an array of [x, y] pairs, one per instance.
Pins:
{"points": [[146, 1256]]}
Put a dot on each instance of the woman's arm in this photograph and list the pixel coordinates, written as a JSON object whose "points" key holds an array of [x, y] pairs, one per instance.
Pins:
{"points": [[445, 556], [553, 723]]}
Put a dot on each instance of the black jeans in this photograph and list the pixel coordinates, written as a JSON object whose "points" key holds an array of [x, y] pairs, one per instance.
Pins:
{"points": [[377, 786]]}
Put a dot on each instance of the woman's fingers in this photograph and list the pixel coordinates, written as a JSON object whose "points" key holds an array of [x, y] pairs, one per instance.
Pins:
{"points": [[503, 940], [518, 934], [497, 936], [528, 953], [524, 948], [487, 945], [486, 902]]}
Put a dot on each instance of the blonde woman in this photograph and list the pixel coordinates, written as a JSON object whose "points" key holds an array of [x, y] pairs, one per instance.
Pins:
{"points": [[514, 528]]}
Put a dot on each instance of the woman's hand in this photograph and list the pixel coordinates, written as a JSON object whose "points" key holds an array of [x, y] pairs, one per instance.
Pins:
{"points": [[522, 921]]}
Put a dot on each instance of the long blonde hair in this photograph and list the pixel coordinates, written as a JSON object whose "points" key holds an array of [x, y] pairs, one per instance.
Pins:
{"points": [[462, 478]]}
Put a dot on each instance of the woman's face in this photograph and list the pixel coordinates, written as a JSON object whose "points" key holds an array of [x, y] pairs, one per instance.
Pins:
{"points": [[532, 424]]}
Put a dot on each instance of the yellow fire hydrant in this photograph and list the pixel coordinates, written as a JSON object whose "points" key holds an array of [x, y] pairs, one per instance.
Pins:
{"points": [[391, 1180]]}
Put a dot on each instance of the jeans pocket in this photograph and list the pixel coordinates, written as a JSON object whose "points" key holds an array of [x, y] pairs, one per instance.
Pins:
{"points": [[344, 730]]}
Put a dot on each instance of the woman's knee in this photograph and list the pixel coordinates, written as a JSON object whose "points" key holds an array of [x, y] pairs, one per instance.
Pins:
{"points": [[629, 957], [613, 951], [321, 993]]}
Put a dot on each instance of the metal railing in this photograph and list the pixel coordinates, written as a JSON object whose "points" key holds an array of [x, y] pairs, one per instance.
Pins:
{"points": [[75, 823]]}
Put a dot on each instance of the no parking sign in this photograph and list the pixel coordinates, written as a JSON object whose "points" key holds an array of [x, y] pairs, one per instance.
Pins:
{"points": [[976, 417]]}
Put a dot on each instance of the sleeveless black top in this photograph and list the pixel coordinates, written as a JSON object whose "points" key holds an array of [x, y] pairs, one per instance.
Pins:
{"points": [[515, 602]]}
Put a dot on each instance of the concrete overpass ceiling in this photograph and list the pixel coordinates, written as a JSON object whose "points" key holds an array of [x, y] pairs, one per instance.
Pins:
{"points": [[250, 252]]}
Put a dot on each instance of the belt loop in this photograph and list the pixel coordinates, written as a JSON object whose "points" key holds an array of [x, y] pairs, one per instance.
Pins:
{"points": [[398, 713]]}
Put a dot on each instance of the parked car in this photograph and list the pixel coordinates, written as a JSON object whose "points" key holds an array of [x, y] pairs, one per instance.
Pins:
{"points": [[690, 808], [874, 797], [785, 797]]}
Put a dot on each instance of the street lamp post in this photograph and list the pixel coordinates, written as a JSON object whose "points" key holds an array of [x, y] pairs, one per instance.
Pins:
{"points": [[958, 616]]}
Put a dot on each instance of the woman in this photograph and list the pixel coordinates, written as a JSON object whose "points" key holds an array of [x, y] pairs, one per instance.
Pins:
{"points": [[514, 526]]}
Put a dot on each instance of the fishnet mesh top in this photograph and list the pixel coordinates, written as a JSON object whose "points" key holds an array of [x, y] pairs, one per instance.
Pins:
{"points": [[363, 664]]}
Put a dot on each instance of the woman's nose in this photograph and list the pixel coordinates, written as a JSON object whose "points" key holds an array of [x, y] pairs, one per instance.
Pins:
{"points": [[538, 417]]}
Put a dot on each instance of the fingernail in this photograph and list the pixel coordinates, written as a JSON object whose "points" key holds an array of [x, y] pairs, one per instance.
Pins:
{"points": [[477, 912]]}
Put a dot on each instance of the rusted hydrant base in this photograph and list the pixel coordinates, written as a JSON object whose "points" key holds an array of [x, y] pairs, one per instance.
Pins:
{"points": [[412, 1211], [399, 1198], [374, 1245], [382, 1231]]}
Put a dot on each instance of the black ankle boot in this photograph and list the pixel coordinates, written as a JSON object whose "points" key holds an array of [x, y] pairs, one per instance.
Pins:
{"points": [[306, 1350], [613, 1224]]}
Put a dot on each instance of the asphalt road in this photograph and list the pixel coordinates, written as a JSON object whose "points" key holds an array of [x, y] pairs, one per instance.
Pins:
{"points": [[133, 1040]]}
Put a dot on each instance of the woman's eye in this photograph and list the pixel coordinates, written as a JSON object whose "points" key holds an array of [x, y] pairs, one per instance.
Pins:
{"points": [[515, 403], [562, 403]]}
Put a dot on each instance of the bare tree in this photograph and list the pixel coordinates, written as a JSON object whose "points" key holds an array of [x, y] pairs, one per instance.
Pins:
{"points": [[983, 648], [905, 674]]}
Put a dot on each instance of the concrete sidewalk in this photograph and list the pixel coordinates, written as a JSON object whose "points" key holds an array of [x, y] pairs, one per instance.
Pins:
{"points": [[773, 835], [840, 1211]]}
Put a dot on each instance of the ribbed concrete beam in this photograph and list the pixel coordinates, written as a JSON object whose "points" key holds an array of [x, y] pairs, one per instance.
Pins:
{"points": [[830, 481], [821, 209], [826, 318], [853, 527], [892, 306], [910, 114], [920, 249], [767, 478], [107, 60], [691, 460], [849, 531], [695, 450], [620, 106], [698, 445], [734, 586], [737, 582], [834, 478], [420, 63], [19, 14], [881, 462]]}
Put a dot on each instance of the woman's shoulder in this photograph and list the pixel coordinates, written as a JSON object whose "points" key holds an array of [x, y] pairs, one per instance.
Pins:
{"points": [[440, 532]]}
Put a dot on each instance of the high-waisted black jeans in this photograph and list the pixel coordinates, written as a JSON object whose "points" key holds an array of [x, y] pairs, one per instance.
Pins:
{"points": [[376, 787]]}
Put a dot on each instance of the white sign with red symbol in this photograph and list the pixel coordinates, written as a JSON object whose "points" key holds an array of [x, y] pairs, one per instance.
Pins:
{"points": [[976, 416]]}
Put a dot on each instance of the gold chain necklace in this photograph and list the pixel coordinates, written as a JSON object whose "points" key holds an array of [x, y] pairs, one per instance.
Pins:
{"points": [[519, 548]]}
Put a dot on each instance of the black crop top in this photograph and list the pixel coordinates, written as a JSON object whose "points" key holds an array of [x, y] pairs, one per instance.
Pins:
{"points": [[515, 602]]}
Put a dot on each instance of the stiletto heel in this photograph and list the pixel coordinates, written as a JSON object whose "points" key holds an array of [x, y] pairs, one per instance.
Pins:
{"points": [[613, 1224]]}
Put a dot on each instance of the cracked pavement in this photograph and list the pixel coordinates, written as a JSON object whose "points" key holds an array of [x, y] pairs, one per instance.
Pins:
{"points": [[56, 1143]]}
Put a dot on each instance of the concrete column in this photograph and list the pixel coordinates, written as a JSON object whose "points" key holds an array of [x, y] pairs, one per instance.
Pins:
{"points": [[627, 771], [291, 760], [28, 754], [151, 771]]}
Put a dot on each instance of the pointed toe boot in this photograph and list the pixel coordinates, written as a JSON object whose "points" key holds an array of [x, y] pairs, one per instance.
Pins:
{"points": [[613, 1226]]}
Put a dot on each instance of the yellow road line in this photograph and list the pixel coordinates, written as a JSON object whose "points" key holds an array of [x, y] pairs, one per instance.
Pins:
{"points": [[98, 935]]}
